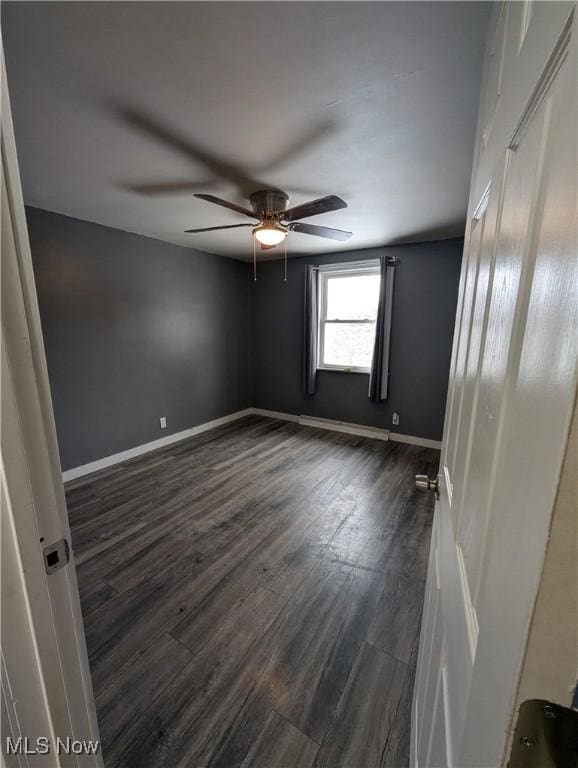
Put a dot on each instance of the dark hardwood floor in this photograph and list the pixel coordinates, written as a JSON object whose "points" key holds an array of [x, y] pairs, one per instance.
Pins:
{"points": [[252, 598]]}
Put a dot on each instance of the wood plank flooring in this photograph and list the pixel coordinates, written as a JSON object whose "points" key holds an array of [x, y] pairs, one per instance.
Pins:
{"points": [[252, 598]]}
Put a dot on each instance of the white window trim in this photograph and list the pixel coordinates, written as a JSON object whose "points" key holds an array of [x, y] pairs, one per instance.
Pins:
{"points": [[360, 268]]}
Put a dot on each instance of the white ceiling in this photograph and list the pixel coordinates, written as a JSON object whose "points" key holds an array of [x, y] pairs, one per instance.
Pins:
{"points": [[375, 102]]}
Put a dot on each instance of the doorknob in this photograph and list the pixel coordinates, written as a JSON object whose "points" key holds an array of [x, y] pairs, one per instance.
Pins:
{"points": [[423, 483]]}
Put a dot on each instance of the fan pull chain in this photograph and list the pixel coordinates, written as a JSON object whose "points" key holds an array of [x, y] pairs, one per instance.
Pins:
{"points": [[254, 261], [285, 278]]}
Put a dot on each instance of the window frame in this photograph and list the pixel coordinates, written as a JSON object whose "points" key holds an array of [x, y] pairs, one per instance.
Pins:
{"points": [[349, 269]]}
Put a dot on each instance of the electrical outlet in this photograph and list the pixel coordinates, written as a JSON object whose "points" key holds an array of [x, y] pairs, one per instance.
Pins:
{"points": [[163, 421], [395, 419]]}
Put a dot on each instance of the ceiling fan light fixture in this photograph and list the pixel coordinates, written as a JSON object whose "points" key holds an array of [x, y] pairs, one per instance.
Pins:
{"points": [[270, 234]]}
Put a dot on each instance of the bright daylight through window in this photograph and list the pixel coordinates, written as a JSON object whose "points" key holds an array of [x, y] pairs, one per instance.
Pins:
{"points": [[348, 299]]}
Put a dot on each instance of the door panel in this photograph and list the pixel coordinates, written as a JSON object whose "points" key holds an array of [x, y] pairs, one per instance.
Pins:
{"points": [[430, 684], [521, 189], [487, 222], [456, 619], [512, 386], [451, 454], [541, 389], [428, 667], [494, 76], [437, 755]]}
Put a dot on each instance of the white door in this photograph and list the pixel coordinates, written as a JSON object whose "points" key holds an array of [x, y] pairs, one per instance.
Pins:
{"points": [[46, 692], [511, 393]]}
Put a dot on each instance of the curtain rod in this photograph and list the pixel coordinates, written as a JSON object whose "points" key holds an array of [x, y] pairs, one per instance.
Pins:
{"points": [[391, 262]]}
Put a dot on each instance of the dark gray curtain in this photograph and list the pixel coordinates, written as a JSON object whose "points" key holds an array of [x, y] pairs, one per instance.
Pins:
{"points": [[379, 378], [310, 330]]}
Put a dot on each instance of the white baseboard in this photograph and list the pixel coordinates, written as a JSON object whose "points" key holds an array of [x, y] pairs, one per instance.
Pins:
{"points": [[275, 414], [345, 426], [425, 442], [330, 424], [349, 428], [309, 421], [131, 453]]}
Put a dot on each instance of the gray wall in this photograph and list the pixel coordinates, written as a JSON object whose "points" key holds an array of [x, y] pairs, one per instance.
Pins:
{"points": [[426, 286], [136, 329]]}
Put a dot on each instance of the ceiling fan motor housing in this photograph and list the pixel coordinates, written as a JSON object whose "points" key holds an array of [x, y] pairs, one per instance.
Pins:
{"points": [[268, 202]]}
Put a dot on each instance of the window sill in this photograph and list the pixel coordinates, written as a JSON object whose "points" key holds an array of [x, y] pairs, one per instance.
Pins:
{"points": [[343, 369]]}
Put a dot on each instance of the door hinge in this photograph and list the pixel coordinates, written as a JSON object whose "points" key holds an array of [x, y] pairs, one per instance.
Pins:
{"points": [[56, 555], [546, 736]]}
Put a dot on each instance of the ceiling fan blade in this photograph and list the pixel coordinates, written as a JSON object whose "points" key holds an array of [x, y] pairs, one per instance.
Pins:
{"points": [[213, 229], [313, 229], [322, 205], [226, 204]]}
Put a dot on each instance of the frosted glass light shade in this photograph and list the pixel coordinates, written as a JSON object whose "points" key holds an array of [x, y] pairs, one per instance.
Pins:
{"points": [[270, 234]]}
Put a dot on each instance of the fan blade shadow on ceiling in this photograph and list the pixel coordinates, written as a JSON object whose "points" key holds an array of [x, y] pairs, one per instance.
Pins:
{"points": [[218, 166], [445, 231], [221, 169], [298, 146], [159, 188]]}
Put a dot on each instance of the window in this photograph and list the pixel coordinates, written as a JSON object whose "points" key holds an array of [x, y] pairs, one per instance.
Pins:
{"points": [[348, 298]]}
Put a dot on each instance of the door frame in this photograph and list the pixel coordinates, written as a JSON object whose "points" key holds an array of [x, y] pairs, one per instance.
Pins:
{"points": [[51, 640]]}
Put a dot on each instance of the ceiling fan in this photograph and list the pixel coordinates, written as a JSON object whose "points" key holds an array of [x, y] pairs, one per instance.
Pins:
{"points": [[275, 220]]}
